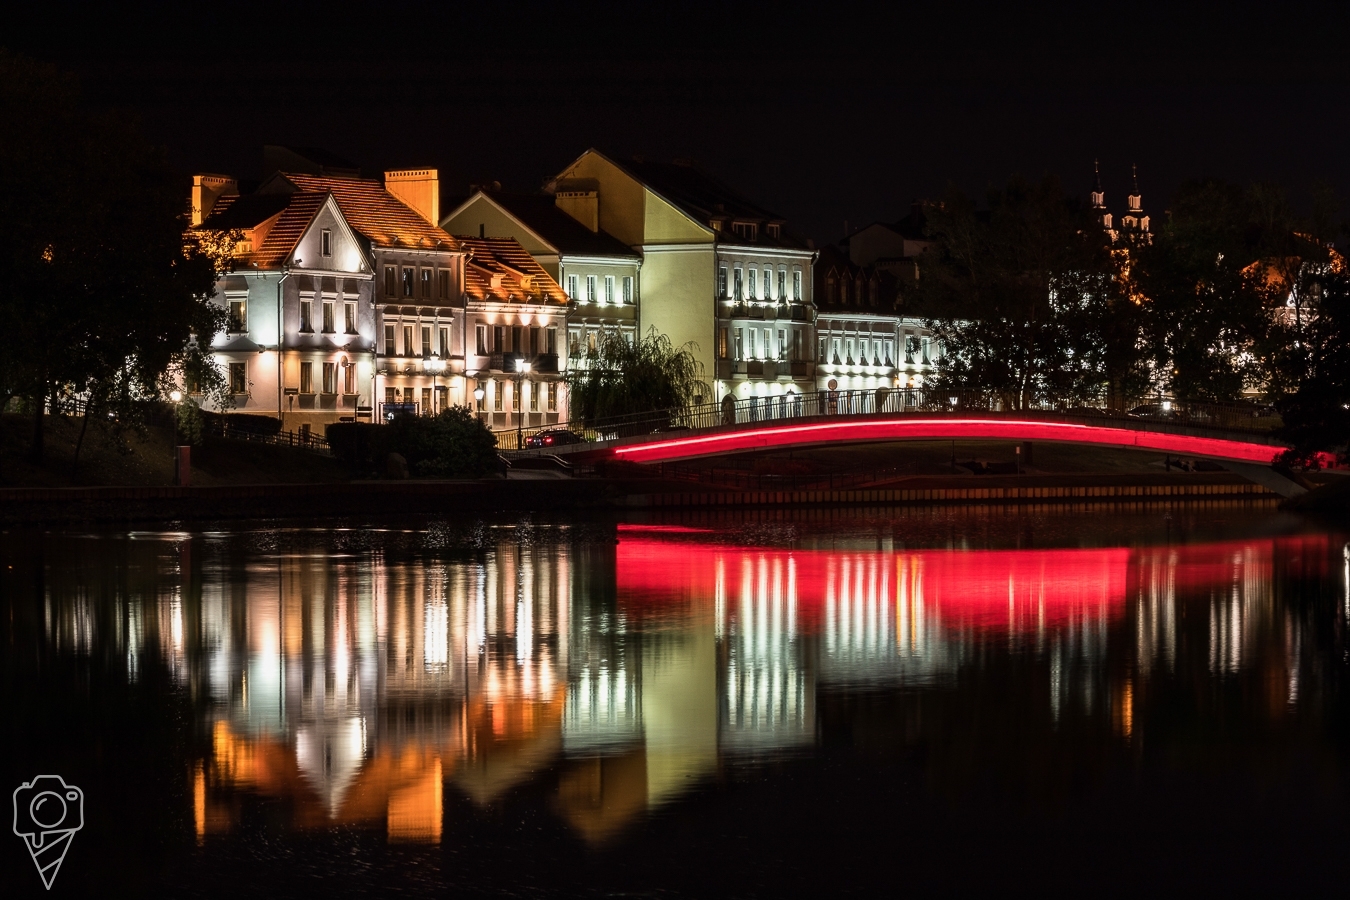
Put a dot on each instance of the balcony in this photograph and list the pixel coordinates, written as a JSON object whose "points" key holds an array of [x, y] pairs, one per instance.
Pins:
{"points": [[543, 363]]}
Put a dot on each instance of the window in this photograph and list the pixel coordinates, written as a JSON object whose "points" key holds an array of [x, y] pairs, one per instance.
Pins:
{"points": [[736, 285], [238, 315], [553, 396], [426, 341], [307, 378], [890, 352], [325, 243], [591, 342], [782, 344], [571, 287], [768, 343], [782, 284], [797, 285], [306, 315], [551, 336], [388, 395], [843, 291], [407, 281], [390, 281], [515, 395], [753, 332], [750, 290], [723, 339], [330, 378], [927, 348], [482, 349], [349, 378], [517, 344], [721, 281], [534, 398], [911, 347], [628, 290], [497, 395], [609, 289], [328, 326], [407, 340], [740, 343], [834, 358], [796, 344], [426, 284], [481, 402], [498, 338], [747, 230], [349, 313], [426, 400], [591, 289], [445, 284], [773, 230], [445, 342], [821, 356], [534, 341], [573, 343], [768, 284], [389, 341], [238, 378]]}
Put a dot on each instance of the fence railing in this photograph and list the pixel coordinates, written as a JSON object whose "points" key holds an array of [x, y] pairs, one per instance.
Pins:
{"points": [[1237, 416], [302, 440]]}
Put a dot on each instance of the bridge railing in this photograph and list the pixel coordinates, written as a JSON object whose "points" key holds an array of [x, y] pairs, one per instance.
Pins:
{"points": [[1235, 416]]}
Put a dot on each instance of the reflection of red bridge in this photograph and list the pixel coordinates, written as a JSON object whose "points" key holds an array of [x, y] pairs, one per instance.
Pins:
{"points": [[1101, 431], [1013, 590]]}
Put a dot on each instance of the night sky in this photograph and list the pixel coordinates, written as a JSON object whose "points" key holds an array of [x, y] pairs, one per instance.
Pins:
{"points": [[826, 113]]}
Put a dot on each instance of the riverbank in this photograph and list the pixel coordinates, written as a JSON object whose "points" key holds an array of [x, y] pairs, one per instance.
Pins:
{"points": [[90, 505]]}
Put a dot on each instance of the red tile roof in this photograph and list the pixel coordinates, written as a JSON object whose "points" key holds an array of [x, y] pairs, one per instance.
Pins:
{"points": [[523, 280], [292, 212], [375, 212]]}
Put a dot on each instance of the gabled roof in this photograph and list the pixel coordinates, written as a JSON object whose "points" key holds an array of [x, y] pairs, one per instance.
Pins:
{"points": [[833, 266], [293, 213], [704, 198], [540, 214], [522, 279], [374, 212]]}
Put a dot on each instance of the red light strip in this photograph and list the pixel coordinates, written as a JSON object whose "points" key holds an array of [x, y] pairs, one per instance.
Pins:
{"points": [[945, 429]]}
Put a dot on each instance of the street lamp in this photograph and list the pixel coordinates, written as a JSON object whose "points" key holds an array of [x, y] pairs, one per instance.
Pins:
{"points": [[478, 395], [435, 365], [522, 369]]}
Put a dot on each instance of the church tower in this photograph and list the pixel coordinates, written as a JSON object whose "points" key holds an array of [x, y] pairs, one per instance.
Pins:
{"points": [[1134, 218], [1099, 201]]}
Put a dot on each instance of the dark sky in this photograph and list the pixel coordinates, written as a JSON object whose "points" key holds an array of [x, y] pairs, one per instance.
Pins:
{"points": [[826, 113]]}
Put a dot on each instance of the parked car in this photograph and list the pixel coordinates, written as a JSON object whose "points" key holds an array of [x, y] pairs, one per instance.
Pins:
{"points": [[554, 437], [1165, 410]]}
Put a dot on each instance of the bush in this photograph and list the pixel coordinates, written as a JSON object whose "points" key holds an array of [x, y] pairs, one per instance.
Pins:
{"points": [[244, 422], [452, 444]]}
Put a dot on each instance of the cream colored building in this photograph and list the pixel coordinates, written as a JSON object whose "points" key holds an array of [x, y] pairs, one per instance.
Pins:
{"points": [[754, 336]]}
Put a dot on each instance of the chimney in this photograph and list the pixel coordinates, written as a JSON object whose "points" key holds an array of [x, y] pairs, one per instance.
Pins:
{"points": [[206, 190], [580, 199], [419, 189]]}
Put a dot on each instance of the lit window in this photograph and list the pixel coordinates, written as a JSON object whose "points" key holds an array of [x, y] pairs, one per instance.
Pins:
{"points": [[238, 378], [445, 342], [349, 309], [534, 398], [750, 290], [737, 276], [307, 378], [797, 285], [628, 290], [591, 296], [609, 289], [571, 287], [407, 340], [238, 315], [768, 284], [389, 349], [497, 395], [515, 395], [721, 281], [330, 378], [553, 396], [426, 341], [306, 315], [782, 284]]}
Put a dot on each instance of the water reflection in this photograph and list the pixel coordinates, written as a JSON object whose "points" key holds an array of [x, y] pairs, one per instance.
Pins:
{"points": [[362, 688]]}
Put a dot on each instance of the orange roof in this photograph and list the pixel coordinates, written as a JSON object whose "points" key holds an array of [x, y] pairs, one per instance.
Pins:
{"points": [[520, 277], [292, 214], [376, 213]]}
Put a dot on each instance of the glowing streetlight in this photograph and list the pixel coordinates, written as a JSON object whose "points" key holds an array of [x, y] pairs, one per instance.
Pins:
{"points": [[435, 365], [176, 396], [522, 369], [478, 395]]}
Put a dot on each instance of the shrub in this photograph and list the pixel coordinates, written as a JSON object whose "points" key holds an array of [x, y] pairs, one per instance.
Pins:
{"points": [[452, 444]]}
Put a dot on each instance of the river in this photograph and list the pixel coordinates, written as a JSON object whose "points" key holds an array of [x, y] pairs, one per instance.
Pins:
{"points": [[1105, 699]]}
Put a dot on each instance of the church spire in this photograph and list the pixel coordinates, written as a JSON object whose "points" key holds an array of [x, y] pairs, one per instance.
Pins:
{"points": [[1099, 197], [1134, 217]]}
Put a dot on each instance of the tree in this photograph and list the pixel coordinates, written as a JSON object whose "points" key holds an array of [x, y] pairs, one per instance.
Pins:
{"points": [[623, 377], [101, 289], [1026, 298]]}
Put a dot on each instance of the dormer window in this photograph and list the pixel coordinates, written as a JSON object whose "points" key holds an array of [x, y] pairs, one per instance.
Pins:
{"points": [[716, 224], [774, 231], [747, 230]]}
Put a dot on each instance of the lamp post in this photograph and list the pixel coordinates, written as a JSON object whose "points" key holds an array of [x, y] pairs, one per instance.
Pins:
{"points": [[478, 395], [522, 369], [435, 365]]}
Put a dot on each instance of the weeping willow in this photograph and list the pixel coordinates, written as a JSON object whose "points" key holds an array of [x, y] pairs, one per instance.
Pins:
{"points": [[622, 378]]}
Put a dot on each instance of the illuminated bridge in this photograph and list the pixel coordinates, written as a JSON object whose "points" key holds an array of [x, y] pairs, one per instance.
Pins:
{"points": [[1230, 434]]}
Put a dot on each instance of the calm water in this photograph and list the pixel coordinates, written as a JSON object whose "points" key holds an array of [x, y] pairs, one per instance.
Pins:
{"points": [[919, 701]]}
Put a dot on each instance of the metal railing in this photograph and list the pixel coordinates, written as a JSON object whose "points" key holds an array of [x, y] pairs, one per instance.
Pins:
{"points": [[302, 440], [1237, 416]]}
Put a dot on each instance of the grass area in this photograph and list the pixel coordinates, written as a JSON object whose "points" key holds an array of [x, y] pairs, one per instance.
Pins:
{"points": [[145, 458]]}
